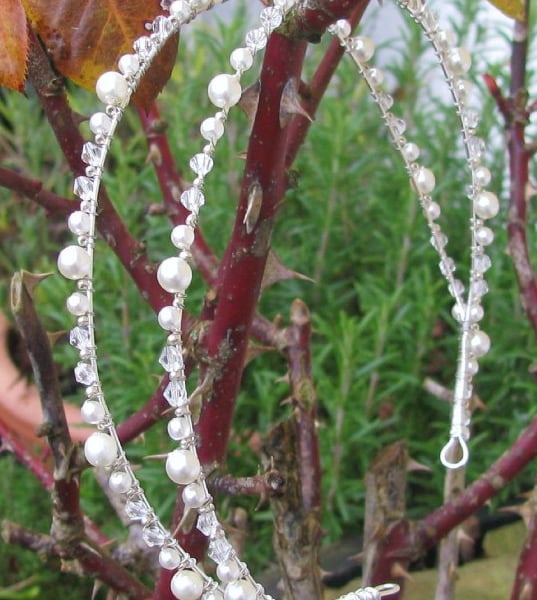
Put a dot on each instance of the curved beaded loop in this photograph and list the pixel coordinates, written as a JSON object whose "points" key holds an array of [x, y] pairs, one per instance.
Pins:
{"points": [[455, 63], [75, 262]]}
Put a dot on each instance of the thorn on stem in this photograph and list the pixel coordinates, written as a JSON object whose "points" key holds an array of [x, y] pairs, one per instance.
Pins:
{"points": [[290, 104]]}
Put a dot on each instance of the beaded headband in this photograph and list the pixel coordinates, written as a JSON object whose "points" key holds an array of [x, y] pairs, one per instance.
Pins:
{"points": [[75, 262]]}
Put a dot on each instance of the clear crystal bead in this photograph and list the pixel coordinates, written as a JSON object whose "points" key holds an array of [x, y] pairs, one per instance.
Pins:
{"points": [[79, 337], [153, 534], [476, 147], [193, 199], [219, 549], [447, 266], [479, 288], [85, 373], [456, 288], [201, 163], [439, 241], [83, 187], [396, 125], [470, 118], [385, 101], [162, 26], [171, 359], [256, 39], [175, 393], [414, 6], [482, 263], [208, 523], [92, 154], [430, 20], [271, 18], [136, 509], [143, 46]]}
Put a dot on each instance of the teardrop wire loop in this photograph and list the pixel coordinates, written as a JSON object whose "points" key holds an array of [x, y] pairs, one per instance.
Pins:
{"points": [[454, 62]]}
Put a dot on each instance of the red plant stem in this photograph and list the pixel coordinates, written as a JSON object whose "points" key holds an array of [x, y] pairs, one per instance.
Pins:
{"points": [[25, 457], [33, 189], [53, 99], [525, 585]]}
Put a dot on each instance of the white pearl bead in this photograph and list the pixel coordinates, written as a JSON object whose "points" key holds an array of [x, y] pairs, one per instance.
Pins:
{"points": [[200, 5], [240, 590], [187, 585], [179, 428], [100, 123], [182, 236], [411, 151], [212, 129], [424, 180], [194, 495], [180, 10], [120, 482], [169, 318], [283, 5], [92, 412], [174, 274], [112, 88], [459, 60], [482, 176], [183, 466], [100, 449], [486, 205], [129, 64], [342, 28], [445, 37], [363, 47], [476, 313], [74, 262], [79, 222], [228, 571], [224, 90], [169, 558], [484, 236], [77, 304], [241, 59], [214, 595], [479, 343]]}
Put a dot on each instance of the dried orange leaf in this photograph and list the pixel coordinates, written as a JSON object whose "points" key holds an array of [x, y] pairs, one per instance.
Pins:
{"points": [[512, 8], [85, 39], [14, 45]]}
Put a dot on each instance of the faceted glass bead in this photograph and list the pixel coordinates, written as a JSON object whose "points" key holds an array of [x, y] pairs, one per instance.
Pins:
{"points": [[201, 163], [162, 26], [256, 39], [447, 266], [92, 154], [456, 288], [175, 393], [136, 509], [153, 534], [439, 241], [219, 549], [85, 373], [430, 20], [83, 187], [470, 118], [192, 199], [476, 147], [479, 288], [414, 6], [79, 337], [271, 18], [143, 46], [385, 101], [397, 125], [482, 263], [208, 523], [171, 359]]}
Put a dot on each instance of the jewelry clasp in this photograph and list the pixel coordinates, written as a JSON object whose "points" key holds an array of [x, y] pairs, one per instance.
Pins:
{"points": [[455, 443]]}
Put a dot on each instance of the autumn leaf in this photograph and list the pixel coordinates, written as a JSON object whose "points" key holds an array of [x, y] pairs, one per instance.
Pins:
{"points": [[85, 39], [512, 8], [14, 45]]}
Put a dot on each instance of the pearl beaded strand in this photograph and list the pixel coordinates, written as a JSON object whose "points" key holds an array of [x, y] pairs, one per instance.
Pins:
{"points": [[103, 448], [455, 63]]}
